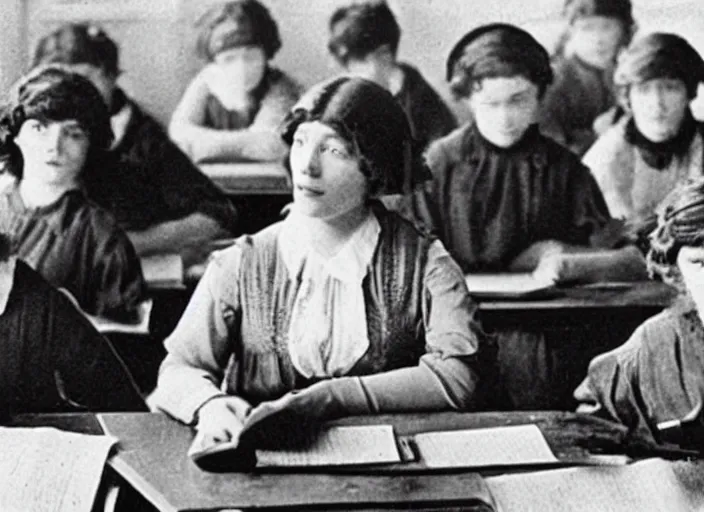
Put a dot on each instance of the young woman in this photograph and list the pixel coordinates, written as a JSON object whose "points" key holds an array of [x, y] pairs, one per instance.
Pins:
{"points": [[584, 65], [657, 376], [343, 307], [233, 107], [364, 40], [658, 144], [504, 197], [53, 131], [158, 196]]}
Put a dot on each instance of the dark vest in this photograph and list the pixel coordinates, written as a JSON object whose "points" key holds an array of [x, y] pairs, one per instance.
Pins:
{"points": [[261, 368]]}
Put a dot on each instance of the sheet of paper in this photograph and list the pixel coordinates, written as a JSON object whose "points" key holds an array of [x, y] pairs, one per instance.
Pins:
{"points": [[647, 486], [163, 270], [48, 470], [336, 446], [505, 284], [502, 446]]}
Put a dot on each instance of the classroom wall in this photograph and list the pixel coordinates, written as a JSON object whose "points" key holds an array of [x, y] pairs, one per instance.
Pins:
{"points": [[156, 36]]}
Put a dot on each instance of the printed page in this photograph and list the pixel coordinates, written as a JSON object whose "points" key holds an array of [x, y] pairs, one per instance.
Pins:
{"points": [[48, 470], [336, 446], [502, 446], [505, 285], [647, 486]]}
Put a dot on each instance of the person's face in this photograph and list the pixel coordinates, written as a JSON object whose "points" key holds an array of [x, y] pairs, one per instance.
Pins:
{"points": [[327, 180], [597, 39], [690, 261], [368, 68], [504, 108], [54, 152], [101, 80], [659, 107], [243, 66]]}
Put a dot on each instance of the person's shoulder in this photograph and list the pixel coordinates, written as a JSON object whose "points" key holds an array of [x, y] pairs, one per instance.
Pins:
{"points": [[610, 148], [454, 147], [560, 155], [101, 223]]}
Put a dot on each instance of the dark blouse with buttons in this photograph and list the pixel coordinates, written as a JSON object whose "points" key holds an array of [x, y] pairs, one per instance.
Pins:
{"points": [[488, 204], [78, 246]]}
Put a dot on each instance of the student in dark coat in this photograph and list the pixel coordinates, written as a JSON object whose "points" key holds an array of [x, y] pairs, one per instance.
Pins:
{"points": [[364, 40], [55, 127], [53, 360], [506, 198], [156, 193]]}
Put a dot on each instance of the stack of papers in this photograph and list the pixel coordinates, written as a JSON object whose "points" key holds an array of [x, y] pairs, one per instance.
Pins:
{"points": [[45, 469], [507, 285]]}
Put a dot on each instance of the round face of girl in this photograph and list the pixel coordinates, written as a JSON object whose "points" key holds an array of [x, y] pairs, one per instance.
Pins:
{"points": [[659, 107], [325, 167], [690, 261], [596, 40], [54, 152], [504, 108], [243, 66]]}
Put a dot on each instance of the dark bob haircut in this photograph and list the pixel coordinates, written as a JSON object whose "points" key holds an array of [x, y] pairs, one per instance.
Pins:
{"points": [[497, 50], [358, 29], [371, 120], [52, 93], [78, 43], [236, 23], [680, 223]]}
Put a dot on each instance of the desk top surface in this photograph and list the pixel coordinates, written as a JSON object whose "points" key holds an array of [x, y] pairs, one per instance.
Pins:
{"points": [[152, 458], [646, 294], [249, 178]]}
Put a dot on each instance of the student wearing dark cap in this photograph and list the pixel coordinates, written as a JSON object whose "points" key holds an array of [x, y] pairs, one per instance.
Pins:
{"points": [[232, 109], [364, 39], [584, 65], [54, 129], [153, 189], [343, 308], [53, 360], [654, 383], [504, 197], [658, 143]]}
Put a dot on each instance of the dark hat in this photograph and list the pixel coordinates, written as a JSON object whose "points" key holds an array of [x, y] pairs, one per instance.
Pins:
{"points": [[620, 9], [237, 23], [497, 50], [370, 118], [660, 55], [78, 43], [358, 29]]}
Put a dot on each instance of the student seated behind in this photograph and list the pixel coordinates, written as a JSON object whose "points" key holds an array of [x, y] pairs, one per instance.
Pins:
{"points": [[658, 144], [342, 308], [506, 198], [233, 107], [156, 193], [584, 66], [53, 360], [658, 374], [364, 39], [54, 128]]}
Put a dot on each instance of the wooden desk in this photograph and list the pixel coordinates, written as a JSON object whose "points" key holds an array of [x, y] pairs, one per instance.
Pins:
{"points": [[249, 178], [545, 345], [152, 458]]}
